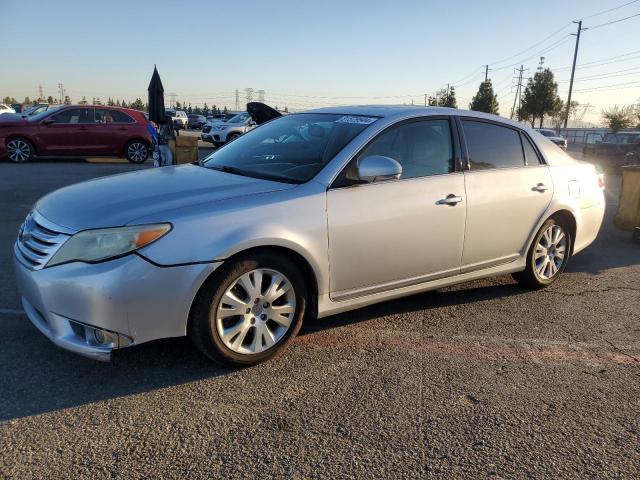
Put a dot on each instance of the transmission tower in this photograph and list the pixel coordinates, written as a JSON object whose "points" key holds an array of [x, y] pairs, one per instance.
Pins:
{"points": [[261, 94], [540, 64], [40, 93], [517, 98], [248, 92], [237, 106], [61, 92]]}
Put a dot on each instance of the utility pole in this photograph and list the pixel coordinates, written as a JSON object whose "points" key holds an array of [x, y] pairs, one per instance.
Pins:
{"points": [[425, 99], [516, 99], [486, 73], [573, 71], [237, 105], [40, 93]]}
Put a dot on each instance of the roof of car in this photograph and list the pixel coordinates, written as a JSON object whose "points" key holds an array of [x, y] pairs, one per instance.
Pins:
{"points": [[408, 110]]}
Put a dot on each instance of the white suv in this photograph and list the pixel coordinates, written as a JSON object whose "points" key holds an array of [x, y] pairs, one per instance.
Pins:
{"points": [[180, 118], [219, 133]]}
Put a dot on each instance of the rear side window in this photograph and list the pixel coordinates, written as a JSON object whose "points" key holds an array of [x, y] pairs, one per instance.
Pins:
{"points": [[492, 146], [423, 148], [530, 155], [112, 116]]}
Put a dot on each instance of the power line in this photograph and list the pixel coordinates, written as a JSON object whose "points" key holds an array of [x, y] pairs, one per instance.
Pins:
{"points": [[611, 87], [613, 21], [531, 47], [610, 10]]}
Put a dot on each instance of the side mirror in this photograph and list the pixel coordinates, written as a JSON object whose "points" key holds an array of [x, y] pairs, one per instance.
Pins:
{"points": [[48, 121], [378, 168]]}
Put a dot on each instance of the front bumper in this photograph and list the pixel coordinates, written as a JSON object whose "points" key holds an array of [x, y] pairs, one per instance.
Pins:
{"points": [[128, 300]]}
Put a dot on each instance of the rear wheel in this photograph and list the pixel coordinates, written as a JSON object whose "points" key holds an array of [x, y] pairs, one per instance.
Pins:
{"points": [[20, 150], [547, 256], [136, 151], [249, 310]]}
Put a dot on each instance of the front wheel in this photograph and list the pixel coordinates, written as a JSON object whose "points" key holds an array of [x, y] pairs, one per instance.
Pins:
{"points": [[136, 151], [547, 256], [20, 150], [232, 137], [249, 310]]}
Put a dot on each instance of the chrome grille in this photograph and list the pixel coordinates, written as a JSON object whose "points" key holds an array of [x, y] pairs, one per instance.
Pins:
{"points": [[38, 240]]}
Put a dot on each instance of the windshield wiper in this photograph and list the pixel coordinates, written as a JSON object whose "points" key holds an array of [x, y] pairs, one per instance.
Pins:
{"points": [[228, 169]]}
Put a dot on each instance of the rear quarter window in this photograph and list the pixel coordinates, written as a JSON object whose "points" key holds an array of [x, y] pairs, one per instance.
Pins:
{"points": [[492, 146]]}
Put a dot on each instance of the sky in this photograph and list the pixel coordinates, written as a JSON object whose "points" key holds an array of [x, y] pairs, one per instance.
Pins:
{"points": [[307, 54]]}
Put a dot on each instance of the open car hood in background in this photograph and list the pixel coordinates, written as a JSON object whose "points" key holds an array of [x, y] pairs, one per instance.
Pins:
{"points": [[261, 113]]}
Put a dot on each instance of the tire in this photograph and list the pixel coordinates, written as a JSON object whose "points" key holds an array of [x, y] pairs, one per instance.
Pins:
{"points": [[233, 136], [247, 314], [544, 264], [20, 150], [136, 151]]}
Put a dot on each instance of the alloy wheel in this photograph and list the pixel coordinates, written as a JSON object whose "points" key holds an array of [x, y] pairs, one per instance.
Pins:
{"points": [[137, 152], [256, 311], [19, 150], [550, 252]]}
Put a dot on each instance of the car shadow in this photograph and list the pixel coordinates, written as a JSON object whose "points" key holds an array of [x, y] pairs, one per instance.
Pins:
{"points": [[44, 378]]}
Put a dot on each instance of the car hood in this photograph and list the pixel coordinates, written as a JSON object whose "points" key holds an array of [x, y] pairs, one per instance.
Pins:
{"points": [[121, 199], [11, 120]]}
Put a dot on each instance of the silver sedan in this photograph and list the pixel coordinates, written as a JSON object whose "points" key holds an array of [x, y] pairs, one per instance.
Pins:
{"points": [[307, 215]]}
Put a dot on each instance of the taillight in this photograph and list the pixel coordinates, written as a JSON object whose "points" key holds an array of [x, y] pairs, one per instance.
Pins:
{"points": [[601, 181]]}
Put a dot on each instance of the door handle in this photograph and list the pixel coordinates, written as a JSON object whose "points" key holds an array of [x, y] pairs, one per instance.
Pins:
{"points": [[452, 200], [541, 187]]}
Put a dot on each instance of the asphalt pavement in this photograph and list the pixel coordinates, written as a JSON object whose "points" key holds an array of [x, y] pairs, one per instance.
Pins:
{"points": [[481, 379]]}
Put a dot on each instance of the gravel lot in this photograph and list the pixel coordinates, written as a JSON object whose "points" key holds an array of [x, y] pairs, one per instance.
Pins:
{"points": [[471, 381]]}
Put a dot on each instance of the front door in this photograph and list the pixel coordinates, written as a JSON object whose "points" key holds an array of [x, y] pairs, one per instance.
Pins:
{"points": [[508, 191], [402, 232], [70, 133]]}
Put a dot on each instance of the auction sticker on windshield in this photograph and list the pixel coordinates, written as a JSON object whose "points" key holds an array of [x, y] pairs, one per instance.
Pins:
{"points": [[357, 119]]}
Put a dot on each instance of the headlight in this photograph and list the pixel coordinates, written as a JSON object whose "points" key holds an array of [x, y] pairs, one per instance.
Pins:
{"points": [[105, 243], [221, 127]]}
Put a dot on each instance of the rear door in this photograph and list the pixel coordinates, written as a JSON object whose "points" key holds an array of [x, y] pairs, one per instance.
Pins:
{"points": [[396, 233], [67, 132], [508, 190], [112, 130]]}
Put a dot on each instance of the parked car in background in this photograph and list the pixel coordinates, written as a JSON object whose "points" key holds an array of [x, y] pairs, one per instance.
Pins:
{"points": [[615, 149], [6, 109], [38, 108], [554, 137], [78, 130], [196, 121], [222, 132], [311, 214], [180, 118]]}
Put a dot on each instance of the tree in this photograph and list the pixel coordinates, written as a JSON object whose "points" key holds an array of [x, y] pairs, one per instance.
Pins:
{"points": [[67, 100], [286, 109], [9, 100], [124, 104], [178, 105], [83, 101], [618, 118], [27, 100], [224, 110], [110, 102], [49, 99], [189, 109], [205, 109], [444, 98], [485, 100], [137, 104], [540, 97]]}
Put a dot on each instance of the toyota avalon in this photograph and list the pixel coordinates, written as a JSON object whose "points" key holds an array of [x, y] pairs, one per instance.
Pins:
{"points": [[307, 215]]}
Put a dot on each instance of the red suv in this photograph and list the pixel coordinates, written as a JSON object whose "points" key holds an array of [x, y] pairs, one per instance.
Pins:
{"points": [[80, 130]]}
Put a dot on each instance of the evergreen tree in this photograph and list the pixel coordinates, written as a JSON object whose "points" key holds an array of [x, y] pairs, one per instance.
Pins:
{"points": [[540, 97], [124, 104], [49, 99], [83, 101], [67, 100], [205, 109], [225, 110], [485, 100], [189, 109], [286, 109], [137, 104], [178, 105]]}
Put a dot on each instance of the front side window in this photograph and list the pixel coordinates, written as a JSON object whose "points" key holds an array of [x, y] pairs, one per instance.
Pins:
{"points": [[423, 148], [74, 115], [289, 149], [492, 146], [240, 118]]}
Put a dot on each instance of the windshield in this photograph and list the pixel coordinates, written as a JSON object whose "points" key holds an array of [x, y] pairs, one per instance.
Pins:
{"points": [[290, 149], [44, 113], [240, 118]]}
